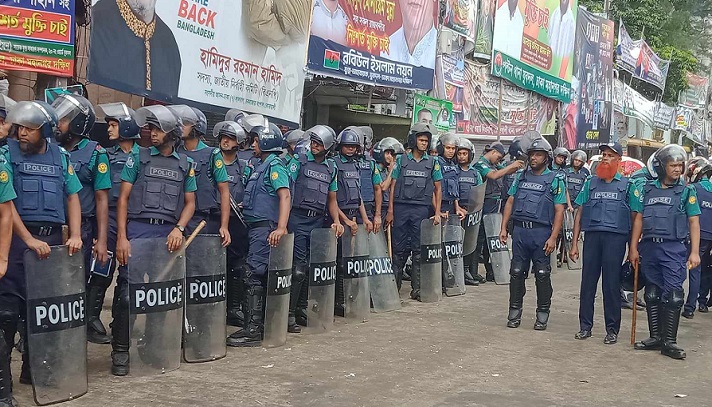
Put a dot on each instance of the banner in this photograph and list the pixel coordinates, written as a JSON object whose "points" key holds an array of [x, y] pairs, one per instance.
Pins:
{"points": [[485, 28], [684, 116], [695, 96], [632, 104], [460, 17], [365, 41], [534, 44], [433, 111], [249, 57], [587, 119], [627, 50], [37, 36], [663, 115], [521, 110], [651, 68]]}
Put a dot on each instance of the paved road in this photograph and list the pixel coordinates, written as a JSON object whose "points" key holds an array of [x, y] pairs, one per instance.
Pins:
{"points": [[454, 353]]}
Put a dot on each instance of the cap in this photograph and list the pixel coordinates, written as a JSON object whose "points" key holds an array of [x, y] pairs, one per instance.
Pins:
{"points": [[420, 128], [612, 146], [497, 146]]}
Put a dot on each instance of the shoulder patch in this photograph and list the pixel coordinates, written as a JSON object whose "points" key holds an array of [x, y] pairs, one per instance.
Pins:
{"points": [[437, 167], [274, 175], [102, 168], [129, 161], [692, 200], [293, 167], [191, 173], [70, 169], [4, 177], [219, 163], [375, 170], [636, 193]]}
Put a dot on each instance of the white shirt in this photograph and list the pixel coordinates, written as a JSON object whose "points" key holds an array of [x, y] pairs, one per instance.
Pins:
{"points": [[508, 31], [328, 25], [562, 32], [423, 53]]}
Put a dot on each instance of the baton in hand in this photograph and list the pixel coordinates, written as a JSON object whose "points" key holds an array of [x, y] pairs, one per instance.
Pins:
{"points": [[236, 210]]}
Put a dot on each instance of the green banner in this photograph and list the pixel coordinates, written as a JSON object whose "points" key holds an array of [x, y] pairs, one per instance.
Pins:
{"points": [[433, 111], [529, 78]]}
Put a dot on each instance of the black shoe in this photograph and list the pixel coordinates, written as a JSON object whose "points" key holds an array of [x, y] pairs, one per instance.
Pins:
{"points": [[703, 308], [648, 344], [119, 363], [252, 335], [583, 334], [610, 338], [244, 340], [415, 295], [236, 318], [480, 279], [688, 314], [301, 317], [95, 334], [514, 319], [542, 320], [626, 305], [292, 326]]}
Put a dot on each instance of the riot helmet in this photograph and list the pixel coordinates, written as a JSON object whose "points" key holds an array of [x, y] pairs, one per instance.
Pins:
{"points": [[448, 139], [350, 136], [124, 115], [419, 129], [562, 152], [230, 129], [201, 126], [667, 154], [579, 155], [293, 137], [541, 144], [162, 118], [34, 115], [77, 111], [268, 139], [234, 115], [323, 135], [698, 169], [465, 144], [5, 104], [515, 150], [367, 132]]}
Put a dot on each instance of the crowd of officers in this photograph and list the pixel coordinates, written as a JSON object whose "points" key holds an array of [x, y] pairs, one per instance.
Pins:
{"points": [[259, 185]]}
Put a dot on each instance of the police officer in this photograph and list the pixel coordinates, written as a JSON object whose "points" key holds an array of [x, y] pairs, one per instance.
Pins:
{"points": [[315, 186], [266, 206], [536, 205], [91, 163], [7, 194], [468, 178], [605, 216], [576, 175], [371, 180], [489, 169], [561, 159], [666, 213], [447, 149], [384, 153], [38, 217], [210, 205], [416, 185], [291, 139], [698, 176], [5, 104], [143, 212], [560, 166], [251, 123], [232, 138]]}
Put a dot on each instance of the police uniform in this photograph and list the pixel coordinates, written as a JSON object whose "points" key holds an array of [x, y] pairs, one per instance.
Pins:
{"points": [[468, 179], [412, 199], [574, 182], [450, 184], [348, 194], [385, 193], [370, 176], [238, 248], [46, 180], [312, 183], [492, 204], [704, 197], [209, 171], [606, 219], [7, 194], [533, 211]]}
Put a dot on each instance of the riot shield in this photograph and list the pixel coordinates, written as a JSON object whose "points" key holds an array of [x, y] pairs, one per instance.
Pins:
{"points": [[354, 252], [431, 284], [381, 280], [499, 252], [569, 240], [279, 285], [471, 223], [156, 289], [453, 265], [204, 326], [322, 281], [56, 325]]}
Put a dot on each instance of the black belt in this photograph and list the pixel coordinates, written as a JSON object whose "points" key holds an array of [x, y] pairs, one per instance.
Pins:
{"points": [[43, 229], [307, 212], [530, 225], [153, 221], [260, 224], [350, 212], [662, 240]]}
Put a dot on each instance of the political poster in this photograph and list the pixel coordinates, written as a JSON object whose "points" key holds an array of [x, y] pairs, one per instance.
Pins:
{"points": [[650, 67], [629, 102], [250, 57], [663, 116], [627, 50], [695, 96], [533, 45], [433, 111], [460, 17], [521, 110], [37, 36], [587, 119], [485, 28], [383, 42]]}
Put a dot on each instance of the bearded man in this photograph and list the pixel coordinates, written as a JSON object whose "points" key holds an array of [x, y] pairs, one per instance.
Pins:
{"points": [[605, 215]]}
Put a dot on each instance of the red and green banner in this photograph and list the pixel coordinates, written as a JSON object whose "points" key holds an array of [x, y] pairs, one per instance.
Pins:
{"points": [[38, 36]]}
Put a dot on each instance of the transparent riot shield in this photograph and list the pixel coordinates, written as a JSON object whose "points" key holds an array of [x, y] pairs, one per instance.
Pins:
{"points": [[204, 327], [569, 240], [156, 292], [279, 285], [354, 251], [431, 257], [472, 221], [381, 280], [453, 265], [322, 281], [56, 325], [499, 252]]}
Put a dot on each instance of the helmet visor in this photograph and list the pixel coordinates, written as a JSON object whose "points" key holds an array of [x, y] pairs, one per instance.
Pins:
{"points": [[185, 113], [29, 114], [68, 107], [159, 116], [118, 111]]}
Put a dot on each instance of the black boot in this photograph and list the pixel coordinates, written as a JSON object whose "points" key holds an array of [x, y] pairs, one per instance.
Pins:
{"points": [[398, 266], [96, 332], [252, 335], [654, 310], [517, 289], [235, 298], [544, 291], [415, 277], [120, 329], [5, 375], [469, 280], [407, 268], [300, 313], [298, 279], [671, 321]]}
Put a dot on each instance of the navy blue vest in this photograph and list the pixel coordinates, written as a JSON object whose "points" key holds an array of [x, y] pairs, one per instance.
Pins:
{"points": [[311, 189], [451, 172], [158, 192], [466, 181], [662, 217], [348, 195], [234, 179], [117, 159], [534, 201], [415, 184], [705, 201], [607, 209], [386, 192], [80, 161], [367, 191], [575, 182], [205, 195], [258, 202], [39, 184]]}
